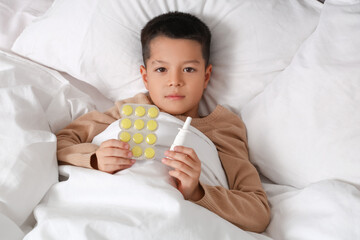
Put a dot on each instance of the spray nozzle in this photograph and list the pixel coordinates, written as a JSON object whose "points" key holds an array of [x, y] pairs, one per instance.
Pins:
{"points": [[187, 123], [180, 137]]}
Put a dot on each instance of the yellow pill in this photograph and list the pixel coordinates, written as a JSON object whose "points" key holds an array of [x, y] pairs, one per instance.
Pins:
{"points": [[138, 138], [137, 151], [139, 124], [140, 111], [149, 153], [153, 112], [127, 110], [125, 123], [151, 125], [151, 138], [124, 136]]}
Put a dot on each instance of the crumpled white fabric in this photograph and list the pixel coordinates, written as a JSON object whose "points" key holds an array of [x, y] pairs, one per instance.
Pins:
{"points": [[328, 209], [35, 102], [136, 203]]}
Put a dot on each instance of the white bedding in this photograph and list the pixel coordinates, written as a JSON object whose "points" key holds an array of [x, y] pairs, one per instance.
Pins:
{"points": [[140, 202], [327, 209], [35, 102], [15, 15]]}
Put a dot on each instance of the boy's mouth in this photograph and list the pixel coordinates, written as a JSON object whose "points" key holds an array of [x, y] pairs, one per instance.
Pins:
{"points": [[174, 97]]}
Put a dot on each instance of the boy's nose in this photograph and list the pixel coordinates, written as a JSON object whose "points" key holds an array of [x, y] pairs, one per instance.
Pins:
{"points": [[176, 80]]}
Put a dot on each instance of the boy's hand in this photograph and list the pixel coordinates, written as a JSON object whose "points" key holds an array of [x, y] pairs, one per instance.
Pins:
{"points": [[114, 155], [187, 169]]}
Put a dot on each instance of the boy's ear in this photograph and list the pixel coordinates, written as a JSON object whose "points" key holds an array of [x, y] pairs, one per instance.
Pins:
{"points": [[144, 76], [208, 71]]}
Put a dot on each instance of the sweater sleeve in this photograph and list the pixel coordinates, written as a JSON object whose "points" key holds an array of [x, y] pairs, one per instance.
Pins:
{"points": [[74, 145], [244, 203]]}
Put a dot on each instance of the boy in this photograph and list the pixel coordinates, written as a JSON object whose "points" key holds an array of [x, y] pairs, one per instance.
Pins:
{"points": [[176, 50]]}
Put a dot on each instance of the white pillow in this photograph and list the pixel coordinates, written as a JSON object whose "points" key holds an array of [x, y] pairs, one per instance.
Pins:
{"points": [[305, 126], [99, 42], [15, 15]]}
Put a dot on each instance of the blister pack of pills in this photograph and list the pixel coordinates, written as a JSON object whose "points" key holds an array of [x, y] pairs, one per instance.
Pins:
{"points": [[138, 126]]}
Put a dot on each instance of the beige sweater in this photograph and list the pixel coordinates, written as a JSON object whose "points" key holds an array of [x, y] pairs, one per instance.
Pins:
{"points": [[244, 204]]}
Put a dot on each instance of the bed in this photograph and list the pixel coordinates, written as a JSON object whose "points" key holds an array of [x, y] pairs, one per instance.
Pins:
{"points": [[290, 69]]}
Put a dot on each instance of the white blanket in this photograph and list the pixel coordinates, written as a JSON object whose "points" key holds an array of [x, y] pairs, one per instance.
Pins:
{"points": [[137, 203], [35, 102], [132, 204]]}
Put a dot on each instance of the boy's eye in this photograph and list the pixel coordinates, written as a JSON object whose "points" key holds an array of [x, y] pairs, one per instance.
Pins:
{"points": [[160, 70], [189, 69]]}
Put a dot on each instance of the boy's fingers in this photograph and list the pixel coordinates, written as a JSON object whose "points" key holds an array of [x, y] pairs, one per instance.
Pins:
{"points": [[116, 152], [114, 143], [181, 157], [179, 175], [187, 151], [181, 166]]}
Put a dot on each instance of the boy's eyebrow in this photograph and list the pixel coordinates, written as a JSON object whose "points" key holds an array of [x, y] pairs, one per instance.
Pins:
{"points": [[193, 61], [158, 61], [164, 62]]}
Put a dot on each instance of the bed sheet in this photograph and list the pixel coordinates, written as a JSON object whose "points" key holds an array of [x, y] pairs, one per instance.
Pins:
{"points": [[101, 102], [35, 102]]}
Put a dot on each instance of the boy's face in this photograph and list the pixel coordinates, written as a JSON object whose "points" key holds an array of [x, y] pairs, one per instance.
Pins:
{"points": [[175, 75]]}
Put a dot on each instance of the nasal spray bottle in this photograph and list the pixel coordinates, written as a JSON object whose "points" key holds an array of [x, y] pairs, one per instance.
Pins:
{"points": [[181, 136]]}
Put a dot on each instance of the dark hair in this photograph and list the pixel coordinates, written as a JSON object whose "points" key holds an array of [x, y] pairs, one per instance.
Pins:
{"points": [[177, 25]]}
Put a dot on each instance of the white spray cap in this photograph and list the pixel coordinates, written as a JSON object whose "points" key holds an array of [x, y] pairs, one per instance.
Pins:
{"points": [[187, 123]]}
